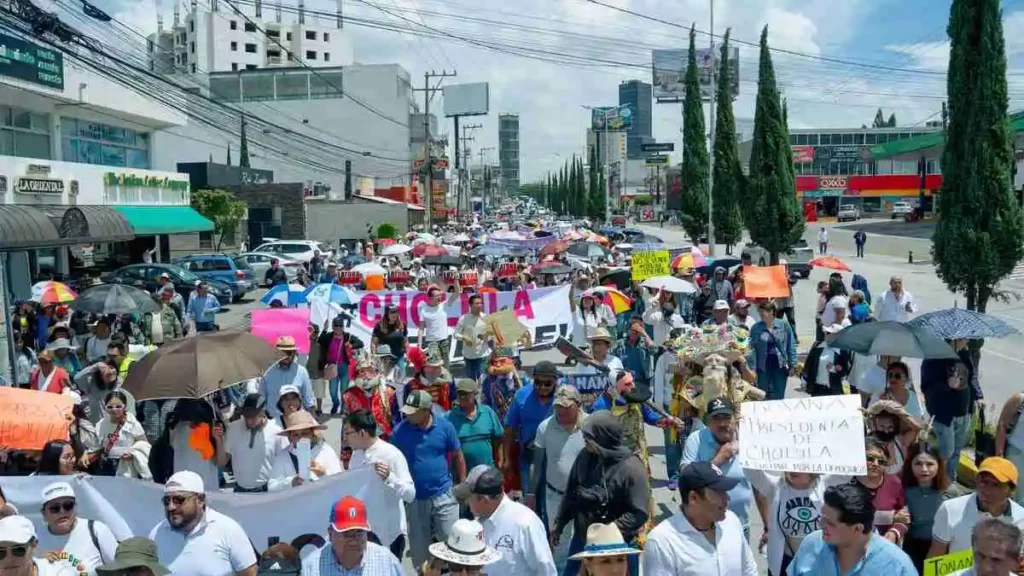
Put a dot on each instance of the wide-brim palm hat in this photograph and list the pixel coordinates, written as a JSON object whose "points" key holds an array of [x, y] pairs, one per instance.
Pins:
{"points": [[465, 545], [604, 540]]}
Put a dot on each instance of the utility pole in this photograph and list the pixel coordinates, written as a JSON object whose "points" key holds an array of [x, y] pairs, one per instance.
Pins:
{"points": [[711, 145], [428, 161], [464, 188]]}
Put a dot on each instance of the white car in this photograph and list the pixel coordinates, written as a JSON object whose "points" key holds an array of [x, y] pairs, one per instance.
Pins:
{"points": [[260, 262], [848, 212], [901, 209], [301, 250]]}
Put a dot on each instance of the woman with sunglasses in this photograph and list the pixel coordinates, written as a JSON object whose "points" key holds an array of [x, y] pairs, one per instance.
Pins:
{"points": [[900, 389], [118, 432], [891, 514], [84, 544], [18, 545]]}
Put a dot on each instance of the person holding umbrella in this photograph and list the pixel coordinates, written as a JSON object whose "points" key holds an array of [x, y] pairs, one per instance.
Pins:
{"points": [[951, 389]]}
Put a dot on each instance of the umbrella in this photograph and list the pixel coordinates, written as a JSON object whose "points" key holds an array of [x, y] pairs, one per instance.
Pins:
{"points": [[385, 241], [461, 238], [369, 269], [692, 259], [618, 301], [953, 323], [709, 268], [671, 284], [830, 262], [552, 268], [442, 261], [625, 246], [620, 277], [353, 260], [490, 250], [332, 293], [288, 294], [198, 366], [555, 248], [50, 292], [892, 339], [542, 233], [422, 250], [115, 299], [395, 250], [588, 250]]}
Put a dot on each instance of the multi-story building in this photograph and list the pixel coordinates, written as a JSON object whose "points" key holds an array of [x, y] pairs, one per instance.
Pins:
{"points": [[508, 152], [218, 40], [638, 96]]}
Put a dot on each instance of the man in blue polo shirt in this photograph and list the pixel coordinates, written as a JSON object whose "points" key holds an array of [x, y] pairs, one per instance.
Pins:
{"points": [[428, 443], [533, 403], [718, 444]]}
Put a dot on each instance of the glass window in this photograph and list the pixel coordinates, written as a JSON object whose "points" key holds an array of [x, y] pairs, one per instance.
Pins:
{"points": [[250, 48], [103, 144], [234, 26], [22, 119], [327, 36], [858, 139], [250, 27], [234, 46], [792, 138], [847, 139], [869, 138], [826, 139], [327, 56], [836, 139], [137, 158], [7, 143], [32, 145], [310, 54], [310, 35], [933, 166]]}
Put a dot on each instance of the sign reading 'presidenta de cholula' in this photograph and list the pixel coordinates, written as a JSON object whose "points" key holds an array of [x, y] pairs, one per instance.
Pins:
{"points": [[136, 181]]}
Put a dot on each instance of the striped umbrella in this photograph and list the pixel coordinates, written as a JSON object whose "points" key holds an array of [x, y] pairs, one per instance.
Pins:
{"points": [[289, 295], [331, 293], [618, 301], [50, 292]]}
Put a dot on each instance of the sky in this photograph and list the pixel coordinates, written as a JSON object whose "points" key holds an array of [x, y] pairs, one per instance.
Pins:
{"points": [[836, 61]]}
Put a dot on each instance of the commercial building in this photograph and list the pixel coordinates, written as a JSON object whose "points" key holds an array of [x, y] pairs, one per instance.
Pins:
{"points": [[637, 95], [508, 152]]}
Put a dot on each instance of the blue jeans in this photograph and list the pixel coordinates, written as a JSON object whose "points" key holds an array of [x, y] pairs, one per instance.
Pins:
{"points": [[952, 439], [474, 368], [773, 382], [337, 386], [206, 327], [572, 567], [673, 454]]}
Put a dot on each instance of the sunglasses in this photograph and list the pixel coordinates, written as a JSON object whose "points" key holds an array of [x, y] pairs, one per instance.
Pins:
{"points": [[176, 500], [115, 407], [16, 551], [875, 459], [57, 508], [895, 375]]}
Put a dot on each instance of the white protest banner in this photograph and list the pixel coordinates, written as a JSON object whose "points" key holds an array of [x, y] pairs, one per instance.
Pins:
{"points": [[822, 435], [132, 507], [544, 311]]}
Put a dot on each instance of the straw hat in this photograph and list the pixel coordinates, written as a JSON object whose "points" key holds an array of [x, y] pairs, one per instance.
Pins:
{"points": [[465, 545], [907, 422], [286, 344], [300, 420], [602, 334], [604, 540]]}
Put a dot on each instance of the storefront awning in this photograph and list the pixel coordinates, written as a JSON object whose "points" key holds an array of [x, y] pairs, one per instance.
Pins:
{"points": [[26, 227], [153, 220]]}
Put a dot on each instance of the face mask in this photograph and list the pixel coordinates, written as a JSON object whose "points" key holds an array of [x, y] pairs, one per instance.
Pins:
{"points": [[667, 311], [430, 378], [886, 436], [366, 383]]}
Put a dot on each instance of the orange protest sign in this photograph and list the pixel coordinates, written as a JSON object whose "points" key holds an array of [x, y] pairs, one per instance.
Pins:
{"points": [[29, 418], [766, 281]]}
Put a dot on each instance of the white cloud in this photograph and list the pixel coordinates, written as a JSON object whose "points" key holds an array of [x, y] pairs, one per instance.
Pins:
{"points": [[791, 31], [924, 55]]}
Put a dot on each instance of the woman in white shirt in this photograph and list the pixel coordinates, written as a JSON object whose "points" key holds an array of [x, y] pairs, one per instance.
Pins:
{"points": [[25, 362], [118, 431], [588, 316], [900, 389], [302, 431]]}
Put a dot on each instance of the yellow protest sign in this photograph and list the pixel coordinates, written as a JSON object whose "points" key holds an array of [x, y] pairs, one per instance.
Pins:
{"points": [[649, 264], [950, 563]]}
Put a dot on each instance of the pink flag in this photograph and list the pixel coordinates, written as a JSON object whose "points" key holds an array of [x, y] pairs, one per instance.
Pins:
{"points": [[272, 323]]}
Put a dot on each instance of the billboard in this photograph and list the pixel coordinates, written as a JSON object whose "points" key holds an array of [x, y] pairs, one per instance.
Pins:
{"points": [[466, 99], [31, 62], [656, 160], [617, 117], [670, 73], [658, 147]]}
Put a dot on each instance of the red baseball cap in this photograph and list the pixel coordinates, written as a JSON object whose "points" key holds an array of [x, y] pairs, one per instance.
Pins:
{"points": [[349, 513]]}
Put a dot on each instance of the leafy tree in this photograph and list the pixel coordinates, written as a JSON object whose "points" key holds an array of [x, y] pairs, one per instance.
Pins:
{"points": [[727, 184], [979, 237], [223, 209], [243, 147], [891, 122], [774, 218], [879, 120], [387, 230], [695, 152]]}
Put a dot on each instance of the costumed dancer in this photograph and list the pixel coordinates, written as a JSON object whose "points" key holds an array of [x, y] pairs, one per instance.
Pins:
{"points": [[430, 375], [499, 390], [372, 392]]}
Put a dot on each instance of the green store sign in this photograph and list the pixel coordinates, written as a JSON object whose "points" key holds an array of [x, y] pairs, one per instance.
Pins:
{"points": [[134, 181], [31, 62]]}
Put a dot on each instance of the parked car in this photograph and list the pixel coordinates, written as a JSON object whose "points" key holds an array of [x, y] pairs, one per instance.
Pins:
{"points": [[223, 268], [148, 276], [301, 250], [901, 209], [848, 212], [260, 263], [797, 259]]}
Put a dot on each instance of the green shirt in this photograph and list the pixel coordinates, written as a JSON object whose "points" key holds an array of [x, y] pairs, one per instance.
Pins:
{"points": [[477, 435]]}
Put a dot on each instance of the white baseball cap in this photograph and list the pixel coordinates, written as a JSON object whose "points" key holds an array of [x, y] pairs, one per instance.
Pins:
{"points": [[184, 481], [17, 530], [721, 305], [57, 490]]}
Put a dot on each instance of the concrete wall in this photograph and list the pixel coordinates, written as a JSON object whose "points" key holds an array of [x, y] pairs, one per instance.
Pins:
{"points": [[332, 221]]}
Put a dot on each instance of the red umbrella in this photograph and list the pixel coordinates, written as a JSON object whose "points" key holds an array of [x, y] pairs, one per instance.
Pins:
{"points": [[830, 262], [385, 241], [556, 247], [422, 250]]}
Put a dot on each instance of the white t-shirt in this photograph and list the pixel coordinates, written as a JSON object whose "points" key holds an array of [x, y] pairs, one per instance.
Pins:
{"points": [[283, 469], [252, 452], [434, 322], [828, 317], [472, 327], [519, 535], [77, 544], [217, 546], [956, 519], [127, 436], [399, 481], [47, 568], [561, 448], [186, 458], [828, 356]]}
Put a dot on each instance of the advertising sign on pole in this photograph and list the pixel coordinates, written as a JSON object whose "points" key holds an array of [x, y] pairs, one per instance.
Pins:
{"points": [[658, 147], [466, 99], [670, 73], [656, 160], [617, 117], [649, 264]]}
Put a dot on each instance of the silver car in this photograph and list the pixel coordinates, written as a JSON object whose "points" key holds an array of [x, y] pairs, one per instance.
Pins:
{"points": [[260, 263]]}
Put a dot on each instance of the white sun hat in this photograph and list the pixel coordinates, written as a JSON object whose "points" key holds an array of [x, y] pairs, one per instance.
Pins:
{"points": [[465, 545], [604, 540]]}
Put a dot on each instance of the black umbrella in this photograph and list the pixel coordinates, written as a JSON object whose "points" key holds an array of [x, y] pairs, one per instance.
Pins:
{"points": [[620, 277], [442, 261], [115, 299]]}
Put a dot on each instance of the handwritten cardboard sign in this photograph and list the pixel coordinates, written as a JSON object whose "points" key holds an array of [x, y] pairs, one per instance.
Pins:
{"points": [[823, 435], [649, 264], [29, 418], [949, 563]]}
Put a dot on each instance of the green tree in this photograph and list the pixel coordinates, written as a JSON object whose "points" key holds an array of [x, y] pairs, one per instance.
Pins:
{"points": [[695, 152], [727, 184], [891, 122], [387, 230], [223, 209], [774, 218], [595, 206], [879, 120], [243, 147], [979, 237]]}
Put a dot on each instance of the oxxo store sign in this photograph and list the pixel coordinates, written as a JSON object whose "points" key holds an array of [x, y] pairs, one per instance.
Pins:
{"points": [[829, 187]]}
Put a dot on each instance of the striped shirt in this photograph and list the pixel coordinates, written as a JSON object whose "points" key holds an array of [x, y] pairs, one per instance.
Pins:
{"points": [[377, 561]]}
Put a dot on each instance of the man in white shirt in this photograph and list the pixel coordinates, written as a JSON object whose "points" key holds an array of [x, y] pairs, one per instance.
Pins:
{"points": [[703, 537], [661, 314], [252, 442], [741, 315], [18, 539], [509, 527], [997, 549], [433, 328], [472, 331], [360, 433], [196, 540], [896, 303], [956, 518], [83, 544]]}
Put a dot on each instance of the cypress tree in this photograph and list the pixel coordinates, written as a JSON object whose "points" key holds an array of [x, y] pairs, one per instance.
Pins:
{"points": [[581, 187], [243, 147], [593, 202], [695, 152], [774, 218], [879, 120], [727, 185], [979, 237]]}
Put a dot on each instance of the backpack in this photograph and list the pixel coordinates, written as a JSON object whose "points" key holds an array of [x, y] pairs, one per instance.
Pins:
{"points": [[277, 567]]}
